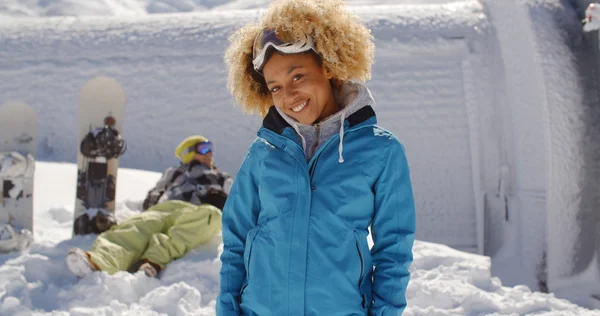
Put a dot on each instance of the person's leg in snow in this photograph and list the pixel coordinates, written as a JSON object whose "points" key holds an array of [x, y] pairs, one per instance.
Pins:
{"points": [[192, 226], [150, 269], [120, 247], [79, 263], [138, 244]]}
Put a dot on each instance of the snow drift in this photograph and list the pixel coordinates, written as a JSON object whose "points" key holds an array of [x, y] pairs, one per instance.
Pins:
{"points": [[37, 282]]}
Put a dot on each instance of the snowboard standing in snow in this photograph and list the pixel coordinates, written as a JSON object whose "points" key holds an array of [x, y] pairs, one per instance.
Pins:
{"points": [[101, 115], [18, 132]]}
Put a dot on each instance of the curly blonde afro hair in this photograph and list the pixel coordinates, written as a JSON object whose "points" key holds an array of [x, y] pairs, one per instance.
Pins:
{"points": [[344, 44]]}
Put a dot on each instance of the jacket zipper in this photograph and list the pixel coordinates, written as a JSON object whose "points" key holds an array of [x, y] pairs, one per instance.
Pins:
{"points": [[362, 265], [316, 145], [313, 167], [248, 264]]}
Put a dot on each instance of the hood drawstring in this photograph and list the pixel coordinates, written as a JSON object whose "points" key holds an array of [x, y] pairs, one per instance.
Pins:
{"points": [[301, 137], [341, 149]]}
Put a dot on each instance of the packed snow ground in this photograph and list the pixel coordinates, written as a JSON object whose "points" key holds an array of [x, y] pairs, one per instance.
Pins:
{"points": [[37, 282]]}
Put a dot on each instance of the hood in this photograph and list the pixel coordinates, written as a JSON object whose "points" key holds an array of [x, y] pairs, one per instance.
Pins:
{"points": [[351, 97]]}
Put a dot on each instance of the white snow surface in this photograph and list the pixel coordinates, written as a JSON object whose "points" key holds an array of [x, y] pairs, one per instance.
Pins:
{"points": [[37, 282]]}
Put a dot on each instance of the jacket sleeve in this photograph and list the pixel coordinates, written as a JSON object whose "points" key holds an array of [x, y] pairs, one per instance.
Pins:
{"points": [[393, 229], [161, 186], [240, 215]]}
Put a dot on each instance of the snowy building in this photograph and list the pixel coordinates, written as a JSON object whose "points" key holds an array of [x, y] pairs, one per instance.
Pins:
{"points": [[495, 102]]}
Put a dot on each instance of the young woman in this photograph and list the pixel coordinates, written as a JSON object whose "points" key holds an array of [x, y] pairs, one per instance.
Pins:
{"points": [[320, 173]]}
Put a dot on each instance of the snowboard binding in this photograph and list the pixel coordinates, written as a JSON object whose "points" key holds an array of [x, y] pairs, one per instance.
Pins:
{"points": [[12, 240], [94, 187], [94, 221], [14, 167], [103, 142]]}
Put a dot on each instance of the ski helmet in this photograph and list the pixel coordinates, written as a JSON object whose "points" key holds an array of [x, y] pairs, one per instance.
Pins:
{"points": [[183, 151]]}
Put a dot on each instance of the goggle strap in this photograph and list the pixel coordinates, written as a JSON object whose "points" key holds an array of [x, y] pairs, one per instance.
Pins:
{"points": [[284, 47], [193, 148], [188, 150]]}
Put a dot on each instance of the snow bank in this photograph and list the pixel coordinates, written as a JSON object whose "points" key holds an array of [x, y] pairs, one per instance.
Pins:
{"points": [[444, 281]]}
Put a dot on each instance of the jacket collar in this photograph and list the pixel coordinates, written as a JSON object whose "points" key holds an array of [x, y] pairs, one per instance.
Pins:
{"points": [[276, 123]]}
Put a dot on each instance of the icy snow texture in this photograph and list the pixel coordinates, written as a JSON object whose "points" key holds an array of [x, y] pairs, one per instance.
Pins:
{"points": [[574, 162], [171, 68]]}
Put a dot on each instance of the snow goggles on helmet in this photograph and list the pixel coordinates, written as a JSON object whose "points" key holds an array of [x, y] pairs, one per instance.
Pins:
{"points": [[203, 148], [280, 40], [199, 148]]}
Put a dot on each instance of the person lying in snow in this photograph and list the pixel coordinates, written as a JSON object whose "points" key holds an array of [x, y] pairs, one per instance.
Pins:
{"points": [[193, 178], [190, 216]]}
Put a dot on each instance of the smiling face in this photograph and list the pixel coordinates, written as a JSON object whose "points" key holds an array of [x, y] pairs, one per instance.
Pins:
{"points": [[300, 87]]}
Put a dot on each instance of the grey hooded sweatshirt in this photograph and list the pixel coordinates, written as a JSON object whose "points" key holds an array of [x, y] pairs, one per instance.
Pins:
{"points": [[351, 98]]}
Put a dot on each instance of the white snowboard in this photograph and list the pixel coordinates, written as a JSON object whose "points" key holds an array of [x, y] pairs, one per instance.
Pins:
{"points": [[18, 132], [102, 101]]}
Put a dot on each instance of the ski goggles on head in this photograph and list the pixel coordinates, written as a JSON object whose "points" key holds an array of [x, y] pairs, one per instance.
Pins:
{"points": [[280, 40], [199, 148]]}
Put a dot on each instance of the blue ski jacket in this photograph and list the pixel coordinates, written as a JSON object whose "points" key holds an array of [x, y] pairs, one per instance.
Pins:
{"points": [[295, 232]]}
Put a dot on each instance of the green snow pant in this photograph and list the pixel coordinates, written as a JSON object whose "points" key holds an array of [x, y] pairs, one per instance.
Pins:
{"points": [[164, 232]]}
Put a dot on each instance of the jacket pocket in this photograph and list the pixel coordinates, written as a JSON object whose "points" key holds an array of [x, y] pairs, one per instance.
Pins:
{"points": [[366, 269], [248, 253]]}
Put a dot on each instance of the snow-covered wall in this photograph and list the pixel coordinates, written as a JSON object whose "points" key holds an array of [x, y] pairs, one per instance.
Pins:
{"points": [[432, 81], [574, 186], [552, 92], [170, 67], [522, 184]]}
